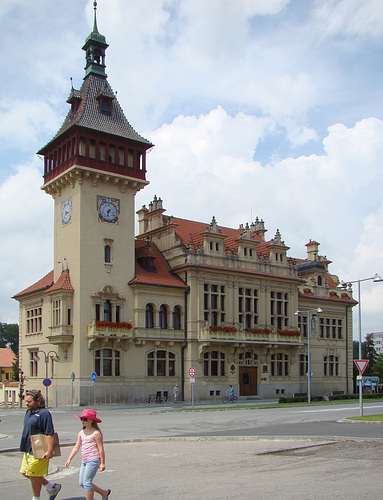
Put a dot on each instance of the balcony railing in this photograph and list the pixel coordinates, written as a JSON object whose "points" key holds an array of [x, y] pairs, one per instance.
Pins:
{"points": [[253, 335], [106, 330], [156, 333], [61, 335]]}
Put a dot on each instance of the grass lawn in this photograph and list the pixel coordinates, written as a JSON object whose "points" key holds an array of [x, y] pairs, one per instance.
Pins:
{"points": [[368, 418]]}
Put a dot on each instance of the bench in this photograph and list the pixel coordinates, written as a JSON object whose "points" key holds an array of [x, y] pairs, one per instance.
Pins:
{"points": [[158, 397]]}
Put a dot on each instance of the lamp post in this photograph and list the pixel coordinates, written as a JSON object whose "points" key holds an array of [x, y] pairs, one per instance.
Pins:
{"points": [[347, 284], [311, 313], [54, 356]]}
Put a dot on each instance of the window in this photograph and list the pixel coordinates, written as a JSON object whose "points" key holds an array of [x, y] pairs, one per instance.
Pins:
{"points": [[107, 311], [97, 312], [214, 304], [107, 362], [107, 253], [340, 334], [331, 366], [149, 316], [214, 364], [248, 307], [161, 364], [176, 318], [33, 364], [279, 366], [34, 320], [319, 280], [302, 325], [56, 313], [163, 316], [279, 309], [303, 364]]}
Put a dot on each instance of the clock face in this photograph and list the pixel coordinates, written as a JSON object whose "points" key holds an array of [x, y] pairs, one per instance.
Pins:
{"points": [[66, 211], [108, 209]]}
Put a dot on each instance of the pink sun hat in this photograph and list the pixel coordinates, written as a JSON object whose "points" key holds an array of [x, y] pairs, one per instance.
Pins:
{"points": [[91, 414]]}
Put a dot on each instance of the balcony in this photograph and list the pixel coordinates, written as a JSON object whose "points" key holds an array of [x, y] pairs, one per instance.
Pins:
{"points": [[251, 336], [100, 332], [141, 335], [61, 335]]}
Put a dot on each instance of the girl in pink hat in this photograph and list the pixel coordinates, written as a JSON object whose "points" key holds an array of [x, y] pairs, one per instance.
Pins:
{"points": [[90, 441]]}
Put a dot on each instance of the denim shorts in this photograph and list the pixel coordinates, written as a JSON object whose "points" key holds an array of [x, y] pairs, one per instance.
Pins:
{"points": [[88, 470]]}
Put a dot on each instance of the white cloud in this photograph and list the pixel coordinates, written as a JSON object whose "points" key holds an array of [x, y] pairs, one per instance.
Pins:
{"points": [[26, 251], [22, 122], [351, 17]]}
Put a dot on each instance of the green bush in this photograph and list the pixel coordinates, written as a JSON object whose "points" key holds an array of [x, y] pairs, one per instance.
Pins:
{"points": [[300, 399]]}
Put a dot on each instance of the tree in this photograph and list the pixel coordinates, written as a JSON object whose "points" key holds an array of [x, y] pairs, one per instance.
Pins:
{"points": [[378, 368], [368, 352], [9, 336]]}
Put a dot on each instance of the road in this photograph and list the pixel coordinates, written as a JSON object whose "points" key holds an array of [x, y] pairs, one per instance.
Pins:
{"points": [[145, 422]]}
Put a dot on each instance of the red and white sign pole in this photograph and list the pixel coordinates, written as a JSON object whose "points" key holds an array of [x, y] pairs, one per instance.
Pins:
{"points": [[192, 381], [361, 364]]}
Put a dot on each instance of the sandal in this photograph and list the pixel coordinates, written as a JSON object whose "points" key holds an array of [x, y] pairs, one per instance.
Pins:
{"points": [[107, 496]]}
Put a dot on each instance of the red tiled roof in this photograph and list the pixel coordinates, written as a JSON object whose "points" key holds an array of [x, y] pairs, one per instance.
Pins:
{"points": [[7, 357], [191, 233], [333, 296], [43, 283], [162, 276], [63, 283]]}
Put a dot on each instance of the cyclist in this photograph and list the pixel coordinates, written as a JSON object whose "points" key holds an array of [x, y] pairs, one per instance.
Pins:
{"points": [[230, 392]]}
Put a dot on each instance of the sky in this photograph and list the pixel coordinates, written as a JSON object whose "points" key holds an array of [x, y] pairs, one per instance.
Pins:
{"points": [[268, 108]]}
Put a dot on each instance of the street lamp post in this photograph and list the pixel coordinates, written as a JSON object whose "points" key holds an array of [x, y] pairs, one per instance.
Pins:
{"points": [[347, 284], [55, 357], [311, 313]]}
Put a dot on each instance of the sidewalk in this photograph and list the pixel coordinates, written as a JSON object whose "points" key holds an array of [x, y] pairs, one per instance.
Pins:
{"points": [[218, 469]]}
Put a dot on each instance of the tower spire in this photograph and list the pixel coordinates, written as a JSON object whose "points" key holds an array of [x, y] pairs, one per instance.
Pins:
{"points": [[95, 30], [95, 46]]}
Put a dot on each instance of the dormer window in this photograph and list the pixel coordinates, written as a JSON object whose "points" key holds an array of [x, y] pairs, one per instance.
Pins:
{"points": [[105, 105]]}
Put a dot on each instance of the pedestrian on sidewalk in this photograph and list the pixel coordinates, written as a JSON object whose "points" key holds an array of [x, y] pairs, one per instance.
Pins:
{"points": [[91, 442], [37, 420], [176, 393]]}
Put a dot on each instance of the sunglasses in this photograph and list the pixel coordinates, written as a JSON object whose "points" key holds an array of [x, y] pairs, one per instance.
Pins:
{"points": [[84, 419]]}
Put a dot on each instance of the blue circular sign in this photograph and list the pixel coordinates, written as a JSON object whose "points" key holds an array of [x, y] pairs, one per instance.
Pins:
{"points": [[47, 382], [94, 376]]}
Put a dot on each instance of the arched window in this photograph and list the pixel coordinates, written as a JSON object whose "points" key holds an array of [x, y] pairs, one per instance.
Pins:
{"points": [[149, 316], [319, 280], [214, 364], [161, 364], [176, 318], [303, 365], [279, 366], [107, 362], [163, 316], [331, 366]]}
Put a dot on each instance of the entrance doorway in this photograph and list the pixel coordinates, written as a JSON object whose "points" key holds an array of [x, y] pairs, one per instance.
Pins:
{"points": [[248, 378]]}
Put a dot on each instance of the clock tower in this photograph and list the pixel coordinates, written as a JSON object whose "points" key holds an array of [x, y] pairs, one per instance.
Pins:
{"points": [[93, 167]]}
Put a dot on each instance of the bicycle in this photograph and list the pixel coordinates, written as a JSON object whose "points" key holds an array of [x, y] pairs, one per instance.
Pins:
{"points": [[228, 399]]}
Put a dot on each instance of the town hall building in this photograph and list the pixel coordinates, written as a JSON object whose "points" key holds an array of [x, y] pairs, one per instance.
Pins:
{"points": [[138, 312]]}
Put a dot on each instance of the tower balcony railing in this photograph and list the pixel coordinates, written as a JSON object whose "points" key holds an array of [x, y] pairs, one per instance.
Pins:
{"points": [[250, 335]]}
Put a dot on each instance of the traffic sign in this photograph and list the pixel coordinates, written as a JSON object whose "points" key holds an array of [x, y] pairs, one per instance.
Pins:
{"points": [[94, 376], [192, 380], [192, 371], [47, 382], [361, 364]]}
